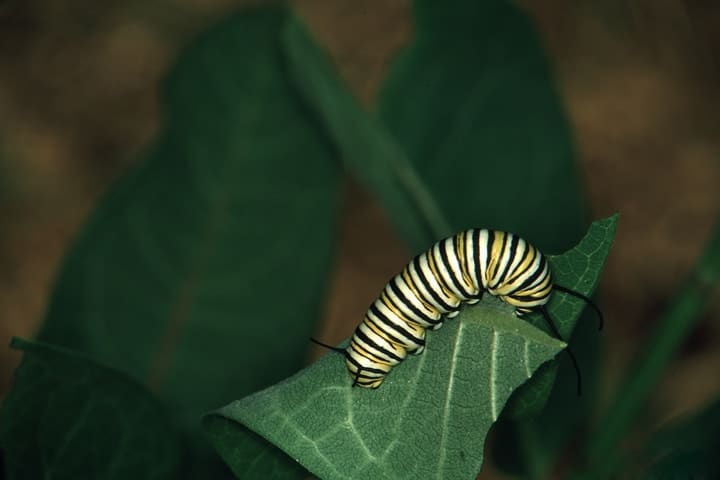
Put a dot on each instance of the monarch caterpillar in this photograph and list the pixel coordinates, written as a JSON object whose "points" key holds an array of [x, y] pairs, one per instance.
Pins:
{"points": [[436, 284]]}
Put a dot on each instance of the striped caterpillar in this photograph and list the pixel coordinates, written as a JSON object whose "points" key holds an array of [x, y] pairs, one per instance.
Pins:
{"points": [[436, 284]]}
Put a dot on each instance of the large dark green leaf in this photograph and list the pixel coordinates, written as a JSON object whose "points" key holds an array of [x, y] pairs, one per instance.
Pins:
{"points": [[203, 271], [474, 107], [446, 398], [68, 417]]}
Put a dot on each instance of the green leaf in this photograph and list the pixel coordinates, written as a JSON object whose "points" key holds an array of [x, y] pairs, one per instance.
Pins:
{"points": [[204, 271], [172, 273], [447, 397], [68, 417], [251, 456], [473, 106]]}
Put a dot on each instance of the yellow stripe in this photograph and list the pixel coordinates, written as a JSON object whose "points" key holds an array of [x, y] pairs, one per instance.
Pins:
{"points": [[411, 285], [385, 299], [381, 333], [496, 253], [460, 246], [543, 289], [364, 353], [433, 268], [525, 265]]}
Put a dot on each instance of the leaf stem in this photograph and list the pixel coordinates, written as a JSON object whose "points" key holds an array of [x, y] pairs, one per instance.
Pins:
{"points": [[427, 206], [365, 145], [675, 325]]}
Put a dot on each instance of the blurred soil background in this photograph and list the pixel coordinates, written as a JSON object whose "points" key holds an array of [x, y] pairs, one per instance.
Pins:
{"points": [[79, 84]]}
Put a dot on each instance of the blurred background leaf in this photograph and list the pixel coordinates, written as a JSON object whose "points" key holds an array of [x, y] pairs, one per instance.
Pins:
{"points": [[687, 448], [475, 108], [68, 417], [204, 270], [693, 297]]}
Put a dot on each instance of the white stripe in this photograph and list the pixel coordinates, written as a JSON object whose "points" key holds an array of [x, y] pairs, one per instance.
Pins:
{"points": [[483, 257]]}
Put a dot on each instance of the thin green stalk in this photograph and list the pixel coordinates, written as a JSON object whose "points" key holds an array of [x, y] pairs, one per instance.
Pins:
{"points": [[674, 327], [414, 186], [366, 147]]}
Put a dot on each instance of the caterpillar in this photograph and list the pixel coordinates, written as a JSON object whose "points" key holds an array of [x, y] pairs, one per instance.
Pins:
{"points": [[436, 284]]}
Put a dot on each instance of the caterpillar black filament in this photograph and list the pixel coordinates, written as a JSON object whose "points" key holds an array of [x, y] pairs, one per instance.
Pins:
{"points": [[435, 285]]}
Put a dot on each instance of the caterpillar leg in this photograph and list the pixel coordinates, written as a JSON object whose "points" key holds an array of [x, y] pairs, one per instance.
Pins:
{"points": [[421, 344]]}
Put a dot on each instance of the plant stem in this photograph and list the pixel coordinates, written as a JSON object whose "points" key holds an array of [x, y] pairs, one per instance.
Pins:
{"points": [[428, 208], [675, 325], [365, 145]]}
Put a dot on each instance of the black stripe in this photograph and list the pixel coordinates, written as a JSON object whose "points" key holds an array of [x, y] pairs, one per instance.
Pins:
{"points": [[392, 338], [519, 270], [513, 252], [446, 260], [528, 297], [390, 304], [369, 355], [423, 280], [488, 248], [386, 321], [414, 287], [398, 293], [361, 335], [406, 335], [366, 369], [430, 257], [535, 275], [476, 253], [502, 250], [463, 261]]}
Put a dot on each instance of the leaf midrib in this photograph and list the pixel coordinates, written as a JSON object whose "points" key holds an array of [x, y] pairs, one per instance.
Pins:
{"points": [[187, 293], [448, 397]]}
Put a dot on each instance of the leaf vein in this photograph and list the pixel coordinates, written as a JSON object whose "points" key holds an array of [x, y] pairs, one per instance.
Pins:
{"points": [[448, 399], [493, 376]]}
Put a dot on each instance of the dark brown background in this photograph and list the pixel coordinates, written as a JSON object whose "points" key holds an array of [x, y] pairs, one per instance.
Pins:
{"points": [[78, 96]]}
